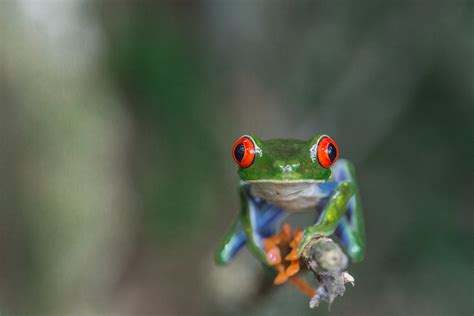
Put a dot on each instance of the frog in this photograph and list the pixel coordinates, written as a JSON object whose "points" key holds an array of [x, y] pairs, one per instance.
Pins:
{"points": [[280, 177]]}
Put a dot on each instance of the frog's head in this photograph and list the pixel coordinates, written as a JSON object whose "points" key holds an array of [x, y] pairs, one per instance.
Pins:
{"points": [[285, 160]]}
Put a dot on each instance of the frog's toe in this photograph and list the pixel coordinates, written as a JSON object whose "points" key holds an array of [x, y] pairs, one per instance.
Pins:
{"points": [[295, 253], [292, 256], [273, 255], [281, 277], [293, 268], [286, 232]]}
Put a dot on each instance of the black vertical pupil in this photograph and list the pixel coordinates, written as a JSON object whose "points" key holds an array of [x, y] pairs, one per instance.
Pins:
{"points": [[239, 152], [332, 152]]}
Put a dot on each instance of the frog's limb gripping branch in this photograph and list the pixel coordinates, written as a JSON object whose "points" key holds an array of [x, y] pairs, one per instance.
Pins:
{"points": [[282, 243], [331, 215], [322, 256], [273, 247]]}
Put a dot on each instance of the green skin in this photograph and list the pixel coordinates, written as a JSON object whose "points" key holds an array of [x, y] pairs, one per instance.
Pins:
{"points": [[269, 165]]}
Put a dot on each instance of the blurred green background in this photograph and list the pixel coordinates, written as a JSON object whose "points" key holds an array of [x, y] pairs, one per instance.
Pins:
{"points": [[116, 122]]}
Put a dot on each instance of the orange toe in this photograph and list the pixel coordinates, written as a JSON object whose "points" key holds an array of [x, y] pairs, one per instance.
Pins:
{"points": [[286, 232], [293, 268], [293, 255], [274, 255], [271, 241], [280, 278], [298, 235]]}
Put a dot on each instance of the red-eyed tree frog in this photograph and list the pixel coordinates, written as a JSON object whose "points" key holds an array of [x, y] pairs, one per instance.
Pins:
{"points": [[284, 176]]}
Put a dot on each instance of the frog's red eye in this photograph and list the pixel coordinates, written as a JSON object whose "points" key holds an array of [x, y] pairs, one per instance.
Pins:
{"points": [[327, 151], [243, 151]]}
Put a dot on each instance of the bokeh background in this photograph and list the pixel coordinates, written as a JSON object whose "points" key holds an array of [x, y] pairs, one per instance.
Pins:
{"points": [[116, 122]]}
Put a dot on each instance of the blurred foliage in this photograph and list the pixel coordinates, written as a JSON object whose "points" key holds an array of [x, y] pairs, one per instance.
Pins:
{"points": [[161, 75], [117, 121]]}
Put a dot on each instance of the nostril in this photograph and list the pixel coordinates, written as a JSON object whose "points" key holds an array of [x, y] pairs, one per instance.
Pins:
{"points": [[287, 168]]}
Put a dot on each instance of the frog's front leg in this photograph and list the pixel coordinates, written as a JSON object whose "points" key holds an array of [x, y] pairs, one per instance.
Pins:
{"points": [[331, 215], [257, 220], [251, 219], [351, 230]]}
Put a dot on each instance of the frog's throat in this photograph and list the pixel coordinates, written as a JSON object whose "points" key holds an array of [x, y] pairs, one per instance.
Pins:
{"points": [[296, 195]]}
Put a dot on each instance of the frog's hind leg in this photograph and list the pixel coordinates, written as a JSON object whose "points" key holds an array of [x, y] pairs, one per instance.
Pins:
{"points": [[350, 229]]}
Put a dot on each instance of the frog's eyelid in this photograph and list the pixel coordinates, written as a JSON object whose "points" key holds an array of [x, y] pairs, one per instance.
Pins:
{"points": [[313, 151], [313, 154]]}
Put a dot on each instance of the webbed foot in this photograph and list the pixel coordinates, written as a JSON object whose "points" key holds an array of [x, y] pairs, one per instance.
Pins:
{"points": [[283, 241], [273, 252]]}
